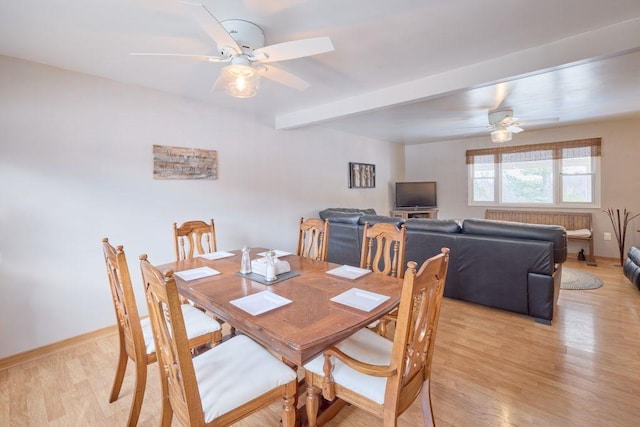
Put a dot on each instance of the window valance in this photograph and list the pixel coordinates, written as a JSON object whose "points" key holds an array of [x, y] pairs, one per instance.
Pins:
{"points": [[532, 152]]}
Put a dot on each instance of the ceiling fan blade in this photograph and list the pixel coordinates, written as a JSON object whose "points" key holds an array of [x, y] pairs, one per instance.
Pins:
{"points": [[212, 26], [538, 121], [502, 91], [508, 121], [294, 49], [186, 55], [283, 77]]}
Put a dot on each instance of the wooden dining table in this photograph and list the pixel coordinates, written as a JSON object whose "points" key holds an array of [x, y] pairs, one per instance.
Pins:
{"points": [[300, 330]]}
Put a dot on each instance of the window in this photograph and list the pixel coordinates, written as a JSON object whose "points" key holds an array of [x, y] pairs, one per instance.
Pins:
{"points": [[484, 179], [555, 174]]}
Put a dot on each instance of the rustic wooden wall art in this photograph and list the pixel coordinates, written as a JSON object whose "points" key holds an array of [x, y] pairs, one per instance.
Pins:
{"points": [[184, 163]]}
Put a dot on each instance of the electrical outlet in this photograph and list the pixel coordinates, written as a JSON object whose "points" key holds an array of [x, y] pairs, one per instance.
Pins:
{"points": [[607, 236]]}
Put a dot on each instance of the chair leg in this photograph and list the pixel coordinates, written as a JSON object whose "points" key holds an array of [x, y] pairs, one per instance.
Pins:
{"points": [[425, 403], [138, 393], [167, 410], [312, 403], [119, 377], [382, 327], [591, 260], [289, 404]]}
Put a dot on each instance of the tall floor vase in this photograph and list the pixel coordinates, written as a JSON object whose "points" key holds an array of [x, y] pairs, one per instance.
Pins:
{"points": [[620, 223]]}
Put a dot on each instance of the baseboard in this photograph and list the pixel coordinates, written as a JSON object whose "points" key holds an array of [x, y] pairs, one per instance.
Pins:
{"points": [[36, 353], [574, 257]]}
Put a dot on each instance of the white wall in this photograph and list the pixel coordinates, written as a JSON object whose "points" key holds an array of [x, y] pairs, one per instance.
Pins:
{"points": [[76, 166], [444, 162]]}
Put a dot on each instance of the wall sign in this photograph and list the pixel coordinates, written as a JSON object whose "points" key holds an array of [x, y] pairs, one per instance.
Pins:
{"points": [[184, 163]]}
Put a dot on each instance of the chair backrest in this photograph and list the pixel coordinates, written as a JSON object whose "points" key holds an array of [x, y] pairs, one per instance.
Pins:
{"points": [[172, 346], [313, 235], [124, 301], [383, 249], [194, 238], [415, 334]]}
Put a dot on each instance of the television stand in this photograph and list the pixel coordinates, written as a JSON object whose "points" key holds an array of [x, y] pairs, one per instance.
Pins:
{"points": [[415, 213]]}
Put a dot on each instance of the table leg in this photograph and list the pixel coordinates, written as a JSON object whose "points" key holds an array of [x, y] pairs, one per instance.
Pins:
{"points": [[316, 411], [312, 404]]}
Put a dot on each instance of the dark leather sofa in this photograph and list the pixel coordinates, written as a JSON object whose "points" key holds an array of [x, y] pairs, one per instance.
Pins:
{"points": [[631, 266], [511, 266]]}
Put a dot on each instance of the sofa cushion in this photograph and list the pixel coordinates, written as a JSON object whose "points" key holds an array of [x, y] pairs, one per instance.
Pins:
{"points": [[422, 245], [375, 219], [344, 243], [555, 234], [329, 212], [343, 217], [437, 225]]}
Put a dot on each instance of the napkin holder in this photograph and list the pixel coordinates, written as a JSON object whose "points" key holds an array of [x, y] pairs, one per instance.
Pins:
{"points": [[259, 266]]}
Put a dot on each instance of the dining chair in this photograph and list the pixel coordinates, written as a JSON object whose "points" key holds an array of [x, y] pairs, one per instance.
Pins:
{"points": [[135, 335], [384, 377], [383, 249], [194, 238], [313, 238], [221, 386]]}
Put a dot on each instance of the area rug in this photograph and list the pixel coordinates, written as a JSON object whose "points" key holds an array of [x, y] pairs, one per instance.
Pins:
{"points": [[573, 278]]}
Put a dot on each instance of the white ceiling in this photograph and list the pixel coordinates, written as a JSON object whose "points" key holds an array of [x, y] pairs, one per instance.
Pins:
{"points": [[405, 71]]}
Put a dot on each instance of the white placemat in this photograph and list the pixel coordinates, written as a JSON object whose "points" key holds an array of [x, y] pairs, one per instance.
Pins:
{"points": [[360, 299], [260, 303], [349, 272], [216, 255], [196, 273]]}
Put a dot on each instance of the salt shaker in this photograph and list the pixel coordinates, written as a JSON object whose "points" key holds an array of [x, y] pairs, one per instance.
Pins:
{"points": [[245, 263], [270, 273]]}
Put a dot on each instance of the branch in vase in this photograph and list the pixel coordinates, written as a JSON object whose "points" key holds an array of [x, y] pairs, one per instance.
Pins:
{"points": [[620, 225]]}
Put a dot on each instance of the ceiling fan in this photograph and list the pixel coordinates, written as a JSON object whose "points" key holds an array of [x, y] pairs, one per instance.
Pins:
{"points": [[503, 125], [241, 44]]}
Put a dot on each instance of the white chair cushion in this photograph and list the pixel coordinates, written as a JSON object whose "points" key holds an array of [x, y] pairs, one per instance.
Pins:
{"points": [[579, 233], [195, 321], [365, 346], [235, 372]]}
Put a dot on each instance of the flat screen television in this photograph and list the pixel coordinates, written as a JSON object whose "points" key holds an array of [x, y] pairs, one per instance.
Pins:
{"points": [[416, 195]]}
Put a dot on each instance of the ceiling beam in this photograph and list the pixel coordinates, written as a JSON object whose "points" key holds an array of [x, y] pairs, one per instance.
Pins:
{"points": [[607, 41]]}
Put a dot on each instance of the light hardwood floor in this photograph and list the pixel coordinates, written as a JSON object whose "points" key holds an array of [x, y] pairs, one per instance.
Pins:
{"points": [[490, 368]]}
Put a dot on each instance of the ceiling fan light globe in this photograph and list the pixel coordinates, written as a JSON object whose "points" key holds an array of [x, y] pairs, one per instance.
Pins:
{"points": [[240, 81], [500, 136]]}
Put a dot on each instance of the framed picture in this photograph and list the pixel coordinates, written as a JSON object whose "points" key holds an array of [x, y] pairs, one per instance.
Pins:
{"points": [[362, 175]]}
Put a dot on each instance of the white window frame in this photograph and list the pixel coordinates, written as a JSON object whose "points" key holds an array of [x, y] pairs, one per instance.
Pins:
{"points": [[557, 187]]}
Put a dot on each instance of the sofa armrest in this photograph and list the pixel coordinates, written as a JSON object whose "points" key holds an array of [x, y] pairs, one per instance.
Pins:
{"points": [[542, 297], [336, 212]]}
